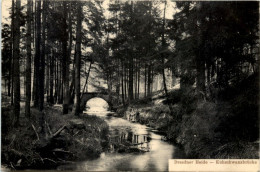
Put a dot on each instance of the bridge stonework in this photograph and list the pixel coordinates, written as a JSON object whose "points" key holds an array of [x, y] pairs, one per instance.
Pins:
{"points": [[87, 96]]}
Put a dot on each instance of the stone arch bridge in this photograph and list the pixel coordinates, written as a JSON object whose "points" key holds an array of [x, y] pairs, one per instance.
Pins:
{"points": [[109, 98]]}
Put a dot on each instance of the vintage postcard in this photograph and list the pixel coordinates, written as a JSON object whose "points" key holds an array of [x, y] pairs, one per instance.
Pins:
{"points": [[129, 85]]}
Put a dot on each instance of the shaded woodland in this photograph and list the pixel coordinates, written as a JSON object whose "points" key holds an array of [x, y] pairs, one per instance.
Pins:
{"points": [[210, 48]]}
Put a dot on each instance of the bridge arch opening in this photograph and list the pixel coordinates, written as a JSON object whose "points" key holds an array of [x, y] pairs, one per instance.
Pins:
{"points": [[96, 105]]}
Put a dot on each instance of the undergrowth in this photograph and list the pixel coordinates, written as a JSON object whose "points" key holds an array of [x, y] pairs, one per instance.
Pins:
{"points": [[223, 125], [226, 127], [33, 144]]}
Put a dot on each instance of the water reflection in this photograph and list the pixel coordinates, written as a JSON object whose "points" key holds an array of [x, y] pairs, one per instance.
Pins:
{"points": [[128, 141], [133, 147]]}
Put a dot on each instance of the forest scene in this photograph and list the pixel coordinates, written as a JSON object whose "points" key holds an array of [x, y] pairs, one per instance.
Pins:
{"points": [[108, 85]]}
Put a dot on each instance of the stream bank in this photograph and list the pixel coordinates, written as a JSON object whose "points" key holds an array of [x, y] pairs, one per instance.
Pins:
{"points": [[155, 116], [215, 128], [133, 147], [48, 140]]}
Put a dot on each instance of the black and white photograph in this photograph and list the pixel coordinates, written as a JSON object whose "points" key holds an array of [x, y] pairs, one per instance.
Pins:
{"points": [[127, 85]]}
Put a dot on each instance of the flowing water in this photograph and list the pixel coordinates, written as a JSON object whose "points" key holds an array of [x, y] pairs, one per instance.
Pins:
{"points": [[133, 147]]}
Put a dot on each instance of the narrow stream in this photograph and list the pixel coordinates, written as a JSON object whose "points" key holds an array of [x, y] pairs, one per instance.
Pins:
{"points": [[133, 147]]}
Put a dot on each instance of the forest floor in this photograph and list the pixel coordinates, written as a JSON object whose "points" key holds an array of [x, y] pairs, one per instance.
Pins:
{"points": [[50, 138]]}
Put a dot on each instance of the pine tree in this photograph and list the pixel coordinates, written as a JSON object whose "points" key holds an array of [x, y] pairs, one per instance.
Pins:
{"points": [[16, 65], [28, 61], [78, 58]]}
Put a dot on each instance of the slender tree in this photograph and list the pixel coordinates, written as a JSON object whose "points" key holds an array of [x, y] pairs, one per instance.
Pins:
{"points": [[42, 59], [28, 61], [37, 53], [52, 77], [16, 62], [12, 55], [66, 60], [162, 58], [78, 58]]}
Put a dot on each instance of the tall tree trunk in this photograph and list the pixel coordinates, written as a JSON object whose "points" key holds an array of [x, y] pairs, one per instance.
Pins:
{"points": [[10, 77], [57, 80], [65, 61], [35, 57], [125, 73], [162, 56], [55, 62], [69, 57], [33, 25], [136, 76], [118, 80], [57, 91], [148, 50], [138, 96], [145, 80], [131, 79], [37, 54], [118, 59], [122, 83], [127, 80], [72, 86], [48, 64], [131, 64], [12, 55], [28, 62], [16, 63], [51, 77], [78, 57], [61, 82], [42, 60], [149, 81], [152, 76]]}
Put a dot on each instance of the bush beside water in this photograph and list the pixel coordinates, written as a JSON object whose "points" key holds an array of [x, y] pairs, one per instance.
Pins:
{"points": [[224, 127]]}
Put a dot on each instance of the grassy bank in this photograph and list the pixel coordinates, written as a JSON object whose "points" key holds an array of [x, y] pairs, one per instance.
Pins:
{"points": [[223, 126], [50, 138]]}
